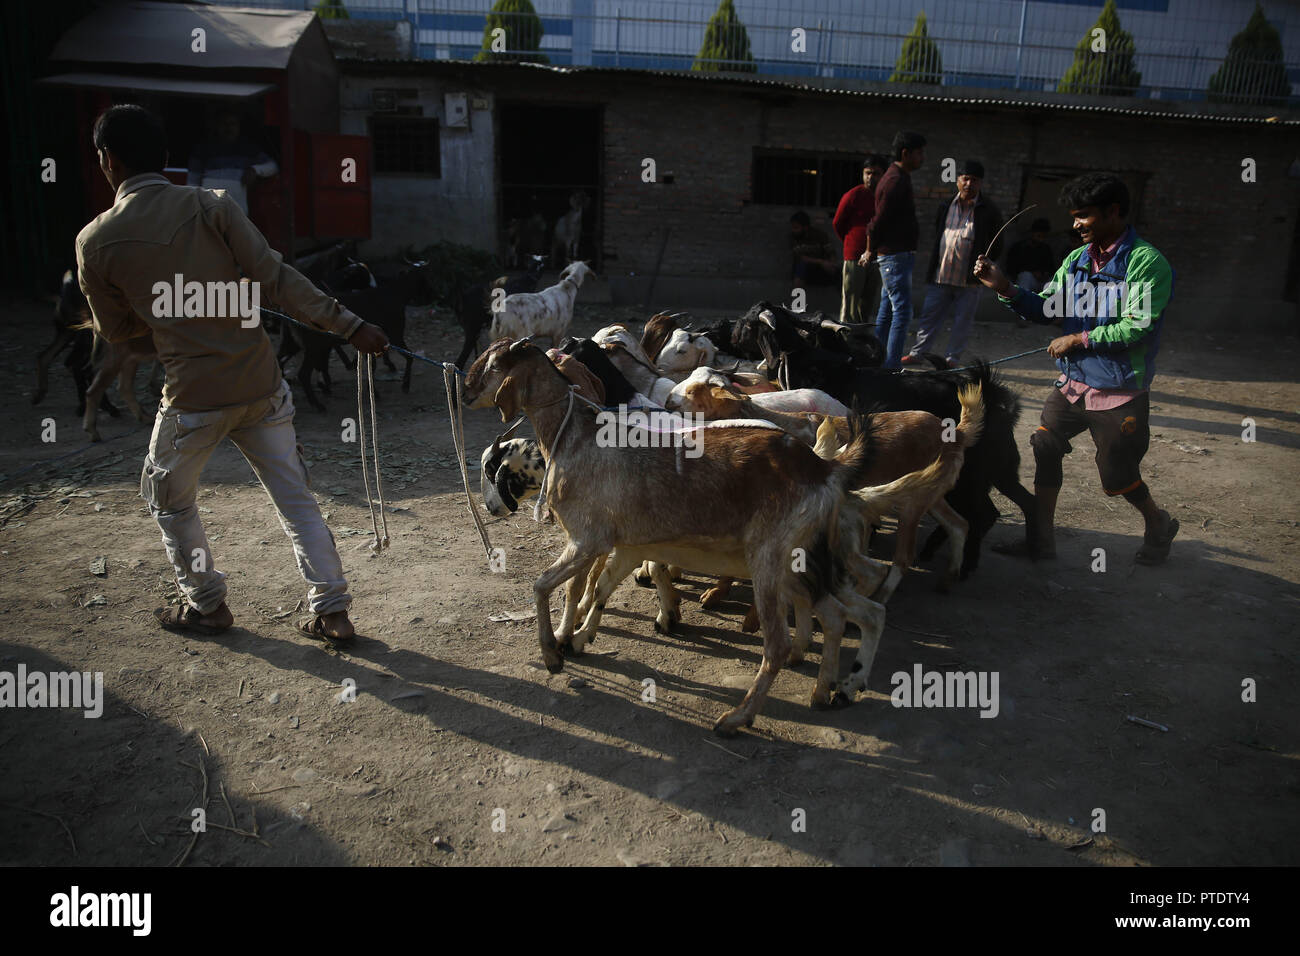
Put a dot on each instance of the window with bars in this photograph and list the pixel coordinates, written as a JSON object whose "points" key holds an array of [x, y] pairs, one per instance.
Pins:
{"points": [[788, 178], [406, 145]]}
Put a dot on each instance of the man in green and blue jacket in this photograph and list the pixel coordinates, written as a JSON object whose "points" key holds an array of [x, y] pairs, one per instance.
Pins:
{"points": [[1110, 296]]}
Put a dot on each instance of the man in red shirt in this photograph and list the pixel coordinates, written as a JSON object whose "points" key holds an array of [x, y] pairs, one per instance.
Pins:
{"points": [[860, 284]]}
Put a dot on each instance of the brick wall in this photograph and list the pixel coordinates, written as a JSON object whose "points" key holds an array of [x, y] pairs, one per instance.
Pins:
{"points": [[1230, 242]]}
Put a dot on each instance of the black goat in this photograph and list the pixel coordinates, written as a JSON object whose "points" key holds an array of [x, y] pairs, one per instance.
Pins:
{"points": [[794, 331], [992, 462], [618, 390], [384, 305], [474, 305]]}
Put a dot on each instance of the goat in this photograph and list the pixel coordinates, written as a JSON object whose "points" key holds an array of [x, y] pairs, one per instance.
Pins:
{"points": [[116, 360], [992, 463], [589, 386], [658, 329], [474, 305], [511, 471], [625, 353], [751, 497], [907, 440], [568, 229], [384, 305], [618, 391], [544, 314], [72, 326]]}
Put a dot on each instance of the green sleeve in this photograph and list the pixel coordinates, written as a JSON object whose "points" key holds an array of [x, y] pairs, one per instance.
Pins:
{"points": [[1147, 288]]}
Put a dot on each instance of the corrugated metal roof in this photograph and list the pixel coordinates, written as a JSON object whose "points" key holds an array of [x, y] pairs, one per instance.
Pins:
{"points": [[161, 84], [1024, 100], [160, 33]]}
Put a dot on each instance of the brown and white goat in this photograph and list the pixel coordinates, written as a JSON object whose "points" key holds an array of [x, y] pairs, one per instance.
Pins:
{"points": [[908, 440], [116, 360], [751, 501], [861, 509]]}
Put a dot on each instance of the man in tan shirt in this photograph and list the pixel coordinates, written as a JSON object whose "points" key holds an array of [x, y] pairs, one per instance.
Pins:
{"points": [[185, 264]]}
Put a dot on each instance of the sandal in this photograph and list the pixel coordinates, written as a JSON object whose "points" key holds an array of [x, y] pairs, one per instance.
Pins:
{"points": [[1154, 551], [186, 620], [315, 628]]}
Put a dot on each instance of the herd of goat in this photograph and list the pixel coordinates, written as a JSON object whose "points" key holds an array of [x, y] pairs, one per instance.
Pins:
{"points": [[804, 445]]}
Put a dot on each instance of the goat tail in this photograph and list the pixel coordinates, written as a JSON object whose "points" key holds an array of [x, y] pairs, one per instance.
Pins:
{"points": [[971, 425], [929, 482], [855, 460]]}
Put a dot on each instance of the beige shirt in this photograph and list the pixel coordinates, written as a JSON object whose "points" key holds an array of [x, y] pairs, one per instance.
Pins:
{"points": [[155, 231], [955, 261]]}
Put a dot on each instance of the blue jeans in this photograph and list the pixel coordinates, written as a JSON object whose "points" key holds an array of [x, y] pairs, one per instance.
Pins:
{"points": [[940, 302], [895, 304]]}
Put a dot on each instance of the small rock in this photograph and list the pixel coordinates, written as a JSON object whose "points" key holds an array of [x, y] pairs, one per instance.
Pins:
{"points": [[99, 567], [561, 821], [982, 790], [833, 736], [305, 774], [273, 697], [578, 682], [97, 600], [293, 723], [442, 844]]}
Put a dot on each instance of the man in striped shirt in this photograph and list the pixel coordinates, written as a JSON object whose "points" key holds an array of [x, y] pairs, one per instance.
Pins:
{"points": [[964, 227]]}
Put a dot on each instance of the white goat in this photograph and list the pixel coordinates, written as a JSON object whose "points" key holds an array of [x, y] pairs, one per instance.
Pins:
{"points": [[544, 314]]}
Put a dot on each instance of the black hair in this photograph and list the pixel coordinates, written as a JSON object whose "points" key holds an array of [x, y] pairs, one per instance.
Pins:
{"points": [[906, 139], [1095, 189], [134, 135], [801, 218], [876, 161]]}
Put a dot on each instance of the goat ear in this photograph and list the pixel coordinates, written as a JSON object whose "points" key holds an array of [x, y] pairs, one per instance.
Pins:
{"points": [[507, 398], [721, 394]]}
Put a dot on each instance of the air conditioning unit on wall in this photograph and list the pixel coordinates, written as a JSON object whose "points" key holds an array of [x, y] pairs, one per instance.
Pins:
{"points": [[455, 111]]}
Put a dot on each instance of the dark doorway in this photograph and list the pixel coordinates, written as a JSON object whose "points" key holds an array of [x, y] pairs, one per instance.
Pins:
{"points": [[548, 157]]}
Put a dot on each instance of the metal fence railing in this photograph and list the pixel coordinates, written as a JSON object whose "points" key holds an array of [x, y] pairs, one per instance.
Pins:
{"points": [[991, 51]]}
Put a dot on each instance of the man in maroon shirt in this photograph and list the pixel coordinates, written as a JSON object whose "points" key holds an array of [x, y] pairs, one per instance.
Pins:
{"points": [[891, 241], [860, 284]]}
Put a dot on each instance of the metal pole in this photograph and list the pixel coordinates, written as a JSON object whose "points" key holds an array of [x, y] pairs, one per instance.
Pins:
{"points": [[618, 28], [1020, 43]]}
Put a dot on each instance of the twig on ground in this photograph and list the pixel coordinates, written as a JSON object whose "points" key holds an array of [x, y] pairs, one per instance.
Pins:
{"points": [[50, 816]]}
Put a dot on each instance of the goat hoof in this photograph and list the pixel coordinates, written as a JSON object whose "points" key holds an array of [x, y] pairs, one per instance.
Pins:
{"points": [[643, 581], [821, 703], [840, 700], [554, 666], [727, 725], [94, 436]]}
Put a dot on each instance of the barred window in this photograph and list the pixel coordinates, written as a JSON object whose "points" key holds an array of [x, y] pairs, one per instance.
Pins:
{"points": [[787, 178], [406, 145]]}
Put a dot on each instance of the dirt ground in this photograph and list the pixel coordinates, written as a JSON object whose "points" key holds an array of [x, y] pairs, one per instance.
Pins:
{"points": [[456, 725]]}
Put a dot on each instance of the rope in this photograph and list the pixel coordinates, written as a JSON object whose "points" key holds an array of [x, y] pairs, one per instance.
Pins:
{"points": [[555, 448], [456, 418], [967, 368], [366, 370]]}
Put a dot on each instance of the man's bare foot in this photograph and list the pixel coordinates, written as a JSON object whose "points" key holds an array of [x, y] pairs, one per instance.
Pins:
{"points": [[186, 620], [334, 626]]}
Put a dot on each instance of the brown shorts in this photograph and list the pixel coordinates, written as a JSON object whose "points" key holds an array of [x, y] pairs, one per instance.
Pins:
{"points": [[1121, 435]]}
